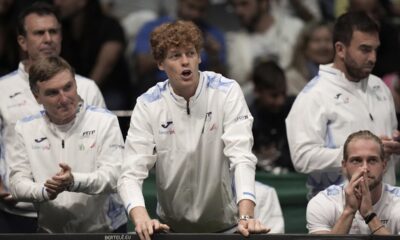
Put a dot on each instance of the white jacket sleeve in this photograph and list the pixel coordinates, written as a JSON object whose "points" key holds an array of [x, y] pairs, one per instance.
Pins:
{"points": [[108, 163], [238, 140], [307, 132], [138, 158], [22, 186]]}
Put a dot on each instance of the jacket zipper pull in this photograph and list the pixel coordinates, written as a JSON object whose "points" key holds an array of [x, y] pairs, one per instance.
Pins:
{"points": [[370, 116], [187, 108], [62, 144]]}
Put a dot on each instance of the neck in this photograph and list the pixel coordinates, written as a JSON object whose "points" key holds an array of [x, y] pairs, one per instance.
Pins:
{"points": [[340, 66], [27, 64]]}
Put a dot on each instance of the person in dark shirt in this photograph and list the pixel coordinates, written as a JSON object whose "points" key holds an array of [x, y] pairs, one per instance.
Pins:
{"points": [[94, 44], [269, 109]]}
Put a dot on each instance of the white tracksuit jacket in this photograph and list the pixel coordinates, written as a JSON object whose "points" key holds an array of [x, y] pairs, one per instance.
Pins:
{"points": [[201, 151], [326, 112], [16, 102], [92, 147]]}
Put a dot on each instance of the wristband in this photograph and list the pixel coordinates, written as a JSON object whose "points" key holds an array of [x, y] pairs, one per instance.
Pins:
{"points": [[369, 217], [244, 218]]}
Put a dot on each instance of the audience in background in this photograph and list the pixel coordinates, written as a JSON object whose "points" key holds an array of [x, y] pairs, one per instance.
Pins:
{"points": [[269, 109], [264, 36], [314, 47], [94, 44], [9, 54]]}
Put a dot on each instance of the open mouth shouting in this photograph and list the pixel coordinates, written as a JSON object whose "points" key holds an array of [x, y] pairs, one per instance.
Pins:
{"points": [[186, 74]]}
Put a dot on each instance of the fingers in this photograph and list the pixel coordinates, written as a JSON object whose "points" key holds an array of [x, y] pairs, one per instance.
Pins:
{"points": [[148, 228], [242, 228], [251, 226], [64, 166]]}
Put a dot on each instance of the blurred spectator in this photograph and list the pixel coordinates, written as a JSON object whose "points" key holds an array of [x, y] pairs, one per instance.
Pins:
{"points": [[123, 8], [94, 43], [265, 36], [314, 47], [213, 56], [306, 10], [269, 110], [9, 56]]}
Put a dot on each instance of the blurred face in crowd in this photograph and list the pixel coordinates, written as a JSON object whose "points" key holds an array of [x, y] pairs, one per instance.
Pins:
{"points": [[364, 155], [5, 6], [360, 56], [192, 10], [43, 36], [182, 67], [272, 99], [59, 97], [249, 12], [68, 8], [319, 48]]}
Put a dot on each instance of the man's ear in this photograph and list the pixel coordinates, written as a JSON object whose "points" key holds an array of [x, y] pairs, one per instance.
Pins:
{"points": [[344, 166], [160, 65], [36, 95], [340, 49], [22, 43]]}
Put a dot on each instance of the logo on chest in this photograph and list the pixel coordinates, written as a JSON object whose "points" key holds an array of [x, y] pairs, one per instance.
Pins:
{"points": [[41, 144], [167, 128]]}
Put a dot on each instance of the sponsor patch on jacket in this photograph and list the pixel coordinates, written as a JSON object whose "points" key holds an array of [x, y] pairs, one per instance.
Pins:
{"points": [[41, 144], [117, 146], [341, 99], [167, 127], [242, 117], [88, 133]]}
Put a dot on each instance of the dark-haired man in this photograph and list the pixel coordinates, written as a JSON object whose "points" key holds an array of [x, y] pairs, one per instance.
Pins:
{"points": [[343, 98]]}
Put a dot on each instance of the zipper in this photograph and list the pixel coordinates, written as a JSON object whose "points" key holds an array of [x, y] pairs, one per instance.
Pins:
{"points": [[187, 108], [62, 144]]}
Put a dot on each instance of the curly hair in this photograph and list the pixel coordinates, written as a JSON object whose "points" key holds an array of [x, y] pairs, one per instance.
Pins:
{"points": [[174, 35]]}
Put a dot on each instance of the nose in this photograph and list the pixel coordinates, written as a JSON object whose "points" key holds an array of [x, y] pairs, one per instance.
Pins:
{"points": [[184, 59], [47, 37], [372, 57], [63, 97]]}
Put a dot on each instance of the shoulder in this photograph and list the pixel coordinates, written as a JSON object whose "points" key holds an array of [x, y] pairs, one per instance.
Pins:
{"points": [[6, 79], [154, 94], [218, 82], [99, 111], [392, 191], [31, 119], [82, 81], [327, 197]]}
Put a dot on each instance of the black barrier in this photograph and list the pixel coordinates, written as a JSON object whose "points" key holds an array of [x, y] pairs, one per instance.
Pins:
{"points": [[181, 236]]}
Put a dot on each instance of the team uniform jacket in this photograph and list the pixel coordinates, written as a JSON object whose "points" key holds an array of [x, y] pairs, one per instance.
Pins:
{"points": [[92, 147], [201, 150], [326, 112], [16, 102], [324, 210]]}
